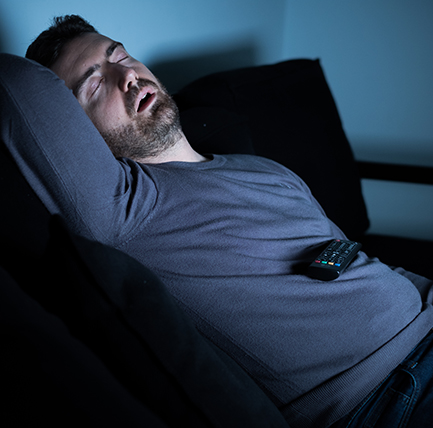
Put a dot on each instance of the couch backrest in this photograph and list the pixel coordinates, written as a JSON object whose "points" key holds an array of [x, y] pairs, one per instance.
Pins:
{"points": [[285, 112]]}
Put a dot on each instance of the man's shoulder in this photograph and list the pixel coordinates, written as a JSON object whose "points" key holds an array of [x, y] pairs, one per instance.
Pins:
{"points": [[251, 160], [257, 163]]}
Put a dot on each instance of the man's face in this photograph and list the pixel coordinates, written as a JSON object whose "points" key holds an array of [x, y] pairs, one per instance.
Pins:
{"points": [[127, 104]]}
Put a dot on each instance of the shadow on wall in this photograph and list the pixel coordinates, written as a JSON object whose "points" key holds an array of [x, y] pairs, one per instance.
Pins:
{"points": [[176, 73], [2, 38]]}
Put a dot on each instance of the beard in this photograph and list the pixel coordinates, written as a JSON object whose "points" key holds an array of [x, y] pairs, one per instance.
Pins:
{"points": [[147, 135]]}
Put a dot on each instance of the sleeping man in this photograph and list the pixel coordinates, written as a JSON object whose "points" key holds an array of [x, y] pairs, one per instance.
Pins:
{"points": [[226, 234]]}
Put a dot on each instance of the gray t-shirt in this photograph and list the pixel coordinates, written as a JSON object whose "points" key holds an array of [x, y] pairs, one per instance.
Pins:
{"points": [[231, 239]]}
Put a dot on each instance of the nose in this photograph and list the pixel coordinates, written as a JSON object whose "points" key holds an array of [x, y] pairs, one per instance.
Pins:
{"points": [[127, 77]]}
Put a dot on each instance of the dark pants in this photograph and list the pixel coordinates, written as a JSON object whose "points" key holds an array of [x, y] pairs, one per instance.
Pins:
{"points": [[405, 397]]}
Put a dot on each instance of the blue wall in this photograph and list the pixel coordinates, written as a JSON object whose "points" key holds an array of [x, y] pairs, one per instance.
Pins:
{"points": [[178, 40], [377, 56]]}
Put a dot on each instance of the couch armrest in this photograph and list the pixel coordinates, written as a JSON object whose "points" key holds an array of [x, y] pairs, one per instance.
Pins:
{"points": [[396, 172], [412, 254]]}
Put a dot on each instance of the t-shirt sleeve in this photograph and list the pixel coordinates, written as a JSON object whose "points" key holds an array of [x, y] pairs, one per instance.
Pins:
{"points": [[63, 156]]}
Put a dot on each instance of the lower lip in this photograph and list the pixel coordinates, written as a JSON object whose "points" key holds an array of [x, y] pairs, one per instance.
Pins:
{"points": [[147, 104]]}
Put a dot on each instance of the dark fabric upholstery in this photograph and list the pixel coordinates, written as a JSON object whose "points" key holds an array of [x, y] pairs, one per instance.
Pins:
{"points": [[413, 255], [24, 220], [49, 378], [285, 112]]}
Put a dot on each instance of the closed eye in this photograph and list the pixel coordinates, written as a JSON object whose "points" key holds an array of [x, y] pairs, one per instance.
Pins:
{"points": [[98, 85]]}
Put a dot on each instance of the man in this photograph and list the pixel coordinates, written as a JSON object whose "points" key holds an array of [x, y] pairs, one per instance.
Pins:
{"points": [[226, 234]]}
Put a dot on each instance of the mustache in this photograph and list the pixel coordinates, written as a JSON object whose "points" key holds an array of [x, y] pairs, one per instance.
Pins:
{"points": [[133, 92]]}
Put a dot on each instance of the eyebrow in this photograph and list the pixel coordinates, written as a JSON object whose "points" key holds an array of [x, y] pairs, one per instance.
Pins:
{"points": [[92, 69]]}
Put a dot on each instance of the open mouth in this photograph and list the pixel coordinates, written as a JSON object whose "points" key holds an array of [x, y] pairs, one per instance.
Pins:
{"points": [[145, 101]]}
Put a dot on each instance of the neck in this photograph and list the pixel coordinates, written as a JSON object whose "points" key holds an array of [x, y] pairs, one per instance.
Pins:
{"points": [[180, 152]]}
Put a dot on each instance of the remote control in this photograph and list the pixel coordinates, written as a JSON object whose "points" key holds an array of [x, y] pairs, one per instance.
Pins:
{"points": [[333, 260]]}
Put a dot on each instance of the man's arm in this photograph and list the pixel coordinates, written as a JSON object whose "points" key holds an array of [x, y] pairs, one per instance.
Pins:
{"points": [[63, 156]]}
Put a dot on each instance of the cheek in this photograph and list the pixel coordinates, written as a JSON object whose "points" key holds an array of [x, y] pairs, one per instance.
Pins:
{"points": [[107, 116]]}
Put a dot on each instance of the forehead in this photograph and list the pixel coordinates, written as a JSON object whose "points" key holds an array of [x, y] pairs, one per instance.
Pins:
{"points": [[79, 54]]}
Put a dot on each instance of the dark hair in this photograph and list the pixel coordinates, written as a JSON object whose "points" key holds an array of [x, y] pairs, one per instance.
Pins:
{"points": [[47, 47]]}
